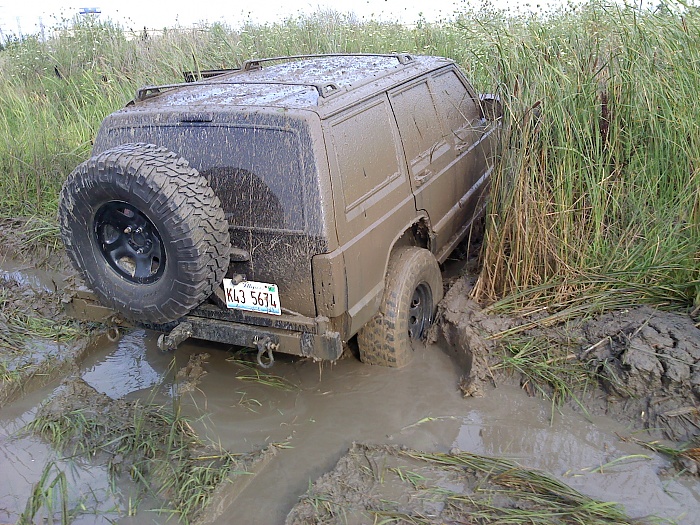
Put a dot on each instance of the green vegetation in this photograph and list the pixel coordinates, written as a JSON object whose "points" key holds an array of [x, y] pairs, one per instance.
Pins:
{"points": [[154, 446], [508, 493], [545, 367], [596, 199], [47, 494], [596, 203]]}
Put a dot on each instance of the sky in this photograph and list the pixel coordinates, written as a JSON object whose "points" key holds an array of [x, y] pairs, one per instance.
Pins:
{"points": [[27, 17]]}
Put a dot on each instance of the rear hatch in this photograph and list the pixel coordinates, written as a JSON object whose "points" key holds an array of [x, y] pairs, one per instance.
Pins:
{"points": [[262, 167]]}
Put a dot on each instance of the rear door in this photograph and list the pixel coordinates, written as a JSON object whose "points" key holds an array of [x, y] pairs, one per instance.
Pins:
{"points": [[440, 124]]}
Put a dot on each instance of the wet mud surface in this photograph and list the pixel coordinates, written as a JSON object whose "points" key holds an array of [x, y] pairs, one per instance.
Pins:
{"points": [[38, 342], [338, 443], [312, 415], [645, 362]]}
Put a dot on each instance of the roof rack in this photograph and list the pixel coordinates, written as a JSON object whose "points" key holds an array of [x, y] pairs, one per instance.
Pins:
{"points": [[256, 63], [324, 90], [193, 76]]}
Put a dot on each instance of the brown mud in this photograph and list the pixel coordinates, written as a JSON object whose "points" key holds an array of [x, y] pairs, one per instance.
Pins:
{"points": [[646, 361], [38, 343], [308, 417]]}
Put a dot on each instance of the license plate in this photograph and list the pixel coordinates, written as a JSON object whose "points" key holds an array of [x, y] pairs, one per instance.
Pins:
{"points": [[252, 296]]}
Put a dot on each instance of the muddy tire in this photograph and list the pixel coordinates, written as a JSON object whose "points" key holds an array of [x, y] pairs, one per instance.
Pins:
{"points": [[145, 231], [412, 290]]}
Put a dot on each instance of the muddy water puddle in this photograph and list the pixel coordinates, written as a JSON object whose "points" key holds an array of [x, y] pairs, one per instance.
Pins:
{"points": [[313, 413], [27, 276]]}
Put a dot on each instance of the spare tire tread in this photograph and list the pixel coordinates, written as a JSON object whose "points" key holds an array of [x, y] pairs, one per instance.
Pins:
{"points": [[183, 204]]}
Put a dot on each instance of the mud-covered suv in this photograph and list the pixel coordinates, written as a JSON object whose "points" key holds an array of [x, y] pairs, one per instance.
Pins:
{"points": [[287, 205]]}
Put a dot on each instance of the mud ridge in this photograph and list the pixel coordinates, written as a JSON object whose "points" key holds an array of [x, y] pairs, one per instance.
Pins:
{"points": [[390, 484], [646, 361]]}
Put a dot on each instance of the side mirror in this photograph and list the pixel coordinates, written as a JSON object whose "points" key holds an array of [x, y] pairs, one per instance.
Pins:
{"points": [[491, 107]]}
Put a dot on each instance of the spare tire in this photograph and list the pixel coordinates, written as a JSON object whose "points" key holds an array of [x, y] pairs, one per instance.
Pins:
{"points": [[145, 231]]}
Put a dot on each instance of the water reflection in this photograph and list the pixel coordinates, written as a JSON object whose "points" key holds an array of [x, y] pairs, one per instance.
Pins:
{"points": [[127, 369]]}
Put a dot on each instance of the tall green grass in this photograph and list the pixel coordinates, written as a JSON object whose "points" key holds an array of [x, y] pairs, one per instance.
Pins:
{"points": [[596, 198], [596, 202]]}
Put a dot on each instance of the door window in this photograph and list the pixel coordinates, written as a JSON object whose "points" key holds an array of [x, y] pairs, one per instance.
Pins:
{"points": [[457, 103], [421, 129]]}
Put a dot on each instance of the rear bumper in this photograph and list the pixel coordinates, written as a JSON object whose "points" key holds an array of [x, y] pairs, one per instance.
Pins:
{"points": [[326, 345], [291, 334]]}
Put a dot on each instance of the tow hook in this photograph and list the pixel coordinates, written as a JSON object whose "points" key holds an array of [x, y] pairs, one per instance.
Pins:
{"points": [[113, 334], [170, 342], [265, 346]]}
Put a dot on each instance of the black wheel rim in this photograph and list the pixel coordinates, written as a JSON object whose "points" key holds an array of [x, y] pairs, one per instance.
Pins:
{"points": [[420, 312], [129, 242]]}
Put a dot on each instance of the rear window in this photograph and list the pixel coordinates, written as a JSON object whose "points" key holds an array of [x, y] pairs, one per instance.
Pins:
{"points": [[255, 171]]}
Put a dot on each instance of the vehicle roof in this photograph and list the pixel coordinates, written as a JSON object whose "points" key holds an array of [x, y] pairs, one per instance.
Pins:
{"points": [[321, 83]]}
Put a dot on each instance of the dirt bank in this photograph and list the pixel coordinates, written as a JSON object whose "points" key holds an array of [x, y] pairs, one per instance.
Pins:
{"points": [[644, 362]]}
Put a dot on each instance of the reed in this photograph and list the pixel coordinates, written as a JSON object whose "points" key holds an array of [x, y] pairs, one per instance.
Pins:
{"points": [[595, 200]]}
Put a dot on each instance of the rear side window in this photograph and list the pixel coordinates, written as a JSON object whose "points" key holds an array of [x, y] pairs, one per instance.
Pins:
{"points": [[456, 101], [420, 126], [259, 184], [365, 149]]}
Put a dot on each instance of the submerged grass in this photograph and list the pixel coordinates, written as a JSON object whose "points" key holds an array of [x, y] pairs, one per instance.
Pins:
{"points": [[154, 445], [251, 373], [686, 455], [509, 493]]}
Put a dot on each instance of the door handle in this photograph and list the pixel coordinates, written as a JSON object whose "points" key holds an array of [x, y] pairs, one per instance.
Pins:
{"points": [[424, 175], [461, 147]]}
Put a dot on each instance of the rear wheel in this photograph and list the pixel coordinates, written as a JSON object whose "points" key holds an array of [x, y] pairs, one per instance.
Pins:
{"points": [[145, 231], [412, 290]]}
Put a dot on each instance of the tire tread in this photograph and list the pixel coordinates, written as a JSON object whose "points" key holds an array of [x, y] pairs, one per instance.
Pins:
{"points": [[182, 200]]}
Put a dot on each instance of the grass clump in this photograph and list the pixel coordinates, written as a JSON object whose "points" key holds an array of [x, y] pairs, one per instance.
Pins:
{"points": [[546, 367], [384, 484], [48, 494], [509, 493], [155, 447]]}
